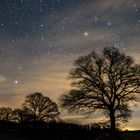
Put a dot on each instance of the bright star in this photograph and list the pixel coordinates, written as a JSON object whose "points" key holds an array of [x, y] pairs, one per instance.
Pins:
{"points": [[86, 33], [41, 25], [16, 81], [109, 23]]}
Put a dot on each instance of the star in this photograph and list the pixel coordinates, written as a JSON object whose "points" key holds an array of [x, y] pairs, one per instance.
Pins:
{"points": [[95, 19], [19, 67], [41, 25], [42, 38], [109, 23], [16, 81], [85, 33]]}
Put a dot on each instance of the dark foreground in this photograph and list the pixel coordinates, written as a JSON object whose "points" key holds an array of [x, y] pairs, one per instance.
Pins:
{"points": [[60, 131]]}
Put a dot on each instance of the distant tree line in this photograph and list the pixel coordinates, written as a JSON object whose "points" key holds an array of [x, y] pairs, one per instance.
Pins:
{"points": [[36, 107]]}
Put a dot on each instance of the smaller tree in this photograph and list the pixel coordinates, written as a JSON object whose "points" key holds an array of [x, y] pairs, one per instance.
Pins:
{"points": [[6, 114], [40, 107], [21, 115]]}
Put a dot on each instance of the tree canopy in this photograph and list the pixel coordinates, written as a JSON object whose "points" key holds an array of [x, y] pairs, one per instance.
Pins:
{"points": [[6, 114], [40, 107], [107, 82]]}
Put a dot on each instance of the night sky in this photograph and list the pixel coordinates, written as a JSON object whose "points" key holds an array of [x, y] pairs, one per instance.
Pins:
{"points": [[40, 39]]}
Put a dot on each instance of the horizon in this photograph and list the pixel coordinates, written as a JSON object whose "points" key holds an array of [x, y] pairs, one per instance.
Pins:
{"points": [[40, 40]]}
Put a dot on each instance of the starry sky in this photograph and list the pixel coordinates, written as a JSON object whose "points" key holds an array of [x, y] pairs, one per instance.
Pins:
{"points": [[40, 39]]}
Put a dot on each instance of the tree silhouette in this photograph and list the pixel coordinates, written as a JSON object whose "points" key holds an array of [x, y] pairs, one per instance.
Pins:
{"points": [[22, 115], [106, 82], [6, 114], [40, 108]]}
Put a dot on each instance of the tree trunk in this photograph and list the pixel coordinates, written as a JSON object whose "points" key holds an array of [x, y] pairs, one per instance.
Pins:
{"points": [[113, 123]]}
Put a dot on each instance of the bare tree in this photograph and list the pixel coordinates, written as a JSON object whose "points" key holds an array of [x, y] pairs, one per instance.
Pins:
{"points": [[106, 82], [22, 115], [40, 107], [6, 114]]}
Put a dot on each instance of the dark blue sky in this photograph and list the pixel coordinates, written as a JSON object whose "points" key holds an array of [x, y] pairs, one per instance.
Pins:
{"points": [[23, 16]]}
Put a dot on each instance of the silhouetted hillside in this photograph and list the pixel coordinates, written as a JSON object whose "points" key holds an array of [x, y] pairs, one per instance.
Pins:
{"points": [[52, 130], [60, 131]]}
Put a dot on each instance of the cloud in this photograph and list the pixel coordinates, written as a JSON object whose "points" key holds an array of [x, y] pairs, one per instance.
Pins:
{"points": [[11, 100], [2, 79]]}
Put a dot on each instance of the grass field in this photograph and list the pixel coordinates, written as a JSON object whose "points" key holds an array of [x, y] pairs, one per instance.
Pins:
{"points": [[16, 135], [60, 131], [130, 135]]}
